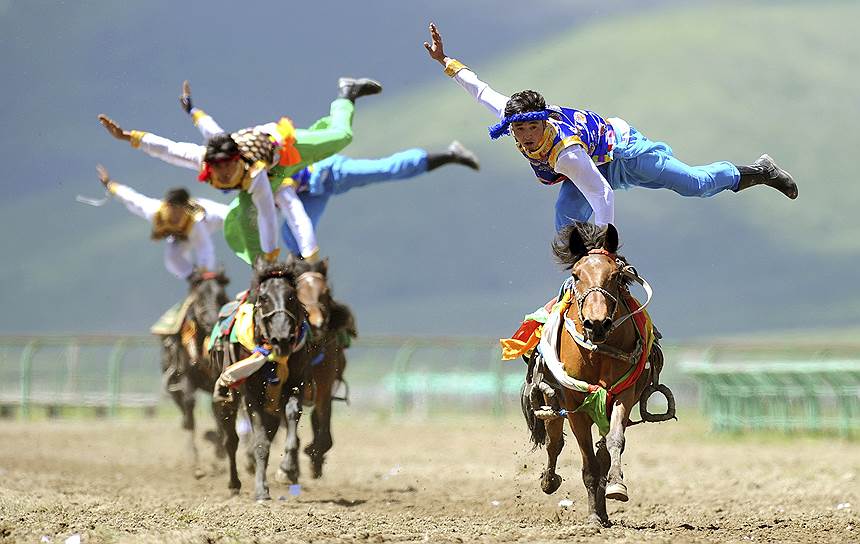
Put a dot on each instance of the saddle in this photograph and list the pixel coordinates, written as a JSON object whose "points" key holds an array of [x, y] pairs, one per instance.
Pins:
{"points": [[170, 322]]}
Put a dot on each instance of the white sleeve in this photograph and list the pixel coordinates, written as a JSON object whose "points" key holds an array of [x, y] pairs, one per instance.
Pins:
{"points": [[297, 218], [138, 204], [205, 123], [176, 259], [575, 163], [180, 154], [482, 92], [202, 246], [215, 213], [267, 216]]}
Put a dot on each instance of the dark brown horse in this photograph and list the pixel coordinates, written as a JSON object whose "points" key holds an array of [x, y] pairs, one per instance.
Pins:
{"points": [[184, 357], [276, 388], [596, 345], [329, 320]]}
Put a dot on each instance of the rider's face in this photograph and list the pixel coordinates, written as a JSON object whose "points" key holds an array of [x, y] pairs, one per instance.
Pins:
{"points": [[224, 172], [175, 214], [529, 133]]}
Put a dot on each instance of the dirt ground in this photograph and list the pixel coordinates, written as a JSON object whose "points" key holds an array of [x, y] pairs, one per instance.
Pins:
{"points": [[438, 480]]}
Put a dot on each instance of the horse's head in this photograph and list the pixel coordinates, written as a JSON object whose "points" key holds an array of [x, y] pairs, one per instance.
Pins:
{"points": [[589, 252], [313, 292], [278, 314], [207, 290]]}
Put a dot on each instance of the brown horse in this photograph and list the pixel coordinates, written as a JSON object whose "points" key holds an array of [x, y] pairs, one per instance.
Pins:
{"points": [[327, 318], [597, 344]]}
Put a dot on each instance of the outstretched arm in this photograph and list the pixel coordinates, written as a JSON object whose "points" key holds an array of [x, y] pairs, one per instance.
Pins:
{"points": [[298, 220], [202, 120], [180, 154], [138, 204], [267, 216], [575, 163], [480, 91]]}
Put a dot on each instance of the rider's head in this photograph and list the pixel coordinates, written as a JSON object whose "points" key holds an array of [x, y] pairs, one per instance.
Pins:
{"points": [[528, 133], [177, 200], [223, 159]]}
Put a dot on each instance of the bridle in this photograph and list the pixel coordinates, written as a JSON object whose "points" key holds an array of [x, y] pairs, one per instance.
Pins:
{"points": [[299, 331], [570, 284]]}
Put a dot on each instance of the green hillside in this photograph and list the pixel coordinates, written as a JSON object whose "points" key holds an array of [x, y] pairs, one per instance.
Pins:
{"points": [[468, 254]]}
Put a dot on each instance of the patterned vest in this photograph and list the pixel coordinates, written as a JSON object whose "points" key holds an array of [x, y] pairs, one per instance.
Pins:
{"points": [[567, 127]]}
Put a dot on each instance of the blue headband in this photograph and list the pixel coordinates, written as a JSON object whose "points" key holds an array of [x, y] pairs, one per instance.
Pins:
{"points": [[499, 130]]}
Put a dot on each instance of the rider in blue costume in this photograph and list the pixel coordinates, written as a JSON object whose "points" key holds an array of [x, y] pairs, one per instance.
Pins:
{"points": [[591, 156]]}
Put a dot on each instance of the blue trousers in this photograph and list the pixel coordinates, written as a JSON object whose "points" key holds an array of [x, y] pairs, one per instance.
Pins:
{"points": [[338, 174], [644, 163]]}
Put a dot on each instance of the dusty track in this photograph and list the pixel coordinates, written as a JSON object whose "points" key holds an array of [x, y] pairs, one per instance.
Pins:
{"points": [[423, 481]]}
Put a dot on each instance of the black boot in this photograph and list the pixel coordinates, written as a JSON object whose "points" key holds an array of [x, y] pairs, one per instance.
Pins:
{"points": [[455, 153], [353, 88], [766, 172]]}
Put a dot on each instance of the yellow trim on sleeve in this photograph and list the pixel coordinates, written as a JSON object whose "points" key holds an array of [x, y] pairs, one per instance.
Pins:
{"points": [[112, 187], [196, 115], [452, 66], [563, 144], [136, 137], [313, 256], [272, 256]]}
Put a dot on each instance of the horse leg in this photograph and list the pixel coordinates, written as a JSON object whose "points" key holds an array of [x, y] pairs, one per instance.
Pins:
{"points": [[615, 488], [549, 480], [225, 416], [288, 471], [188, 402], [591, 475], [264, 427], [321, 417]]}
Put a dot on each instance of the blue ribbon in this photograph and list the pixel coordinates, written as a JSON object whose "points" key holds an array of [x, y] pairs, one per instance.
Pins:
{"points": [[500, 129]]}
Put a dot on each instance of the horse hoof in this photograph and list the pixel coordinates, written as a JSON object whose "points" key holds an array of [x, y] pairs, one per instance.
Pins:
{"points": [[595, 521], [616, 492], [263, 498], [287, 476], [234, 491], [550, 483], [199, 473]]}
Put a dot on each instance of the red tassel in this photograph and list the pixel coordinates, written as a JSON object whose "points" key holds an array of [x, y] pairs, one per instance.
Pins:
{"points": [[205, 172]]}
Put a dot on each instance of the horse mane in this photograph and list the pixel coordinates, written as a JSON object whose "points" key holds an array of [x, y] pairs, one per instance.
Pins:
{"points": [[200, 274], [275, 270], [300, 266], [592, 237]]}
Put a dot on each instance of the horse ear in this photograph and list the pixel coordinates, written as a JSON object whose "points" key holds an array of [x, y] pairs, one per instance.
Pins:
{"points": [[324, 267], [260, 264], [610, 238], [575, 243]]}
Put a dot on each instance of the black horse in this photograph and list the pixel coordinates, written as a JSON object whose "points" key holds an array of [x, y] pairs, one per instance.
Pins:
{"points": [[329, 321], [184, 358], [276, 389]]}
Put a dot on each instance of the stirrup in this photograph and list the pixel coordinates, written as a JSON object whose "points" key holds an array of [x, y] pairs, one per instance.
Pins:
{"points": [[643, 404]]}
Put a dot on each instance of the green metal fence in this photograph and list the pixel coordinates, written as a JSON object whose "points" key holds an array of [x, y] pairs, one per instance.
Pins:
{"points": [[401, 375], [794, 387]]}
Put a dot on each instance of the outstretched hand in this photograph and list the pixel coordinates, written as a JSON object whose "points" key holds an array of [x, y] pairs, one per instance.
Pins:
{"points": [[435, 49], [113, 128], [185, 97], [104, 177]]}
